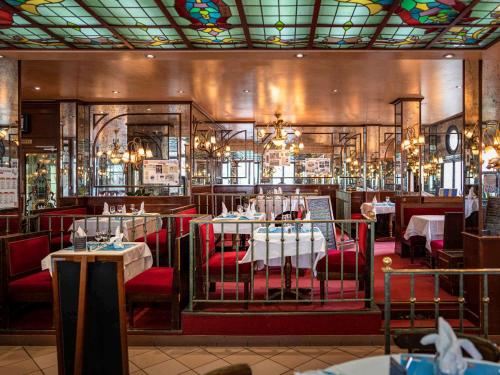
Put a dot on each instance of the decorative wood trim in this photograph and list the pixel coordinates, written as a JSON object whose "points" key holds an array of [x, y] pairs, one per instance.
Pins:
{"points": [[314, 23], [244, 24], [104, 23], [383, 24], [174, 24], [467, 9]]}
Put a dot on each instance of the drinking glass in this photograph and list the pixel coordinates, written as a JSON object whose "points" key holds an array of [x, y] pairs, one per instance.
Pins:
{"points": [[98, 236], [112, 210], [119, 209], [239, 208]]}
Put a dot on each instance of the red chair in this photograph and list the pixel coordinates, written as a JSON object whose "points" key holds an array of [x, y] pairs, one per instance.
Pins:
{"points": [[225, 263], [57, 225], [334, 262], [452, 236], [25, 280]]}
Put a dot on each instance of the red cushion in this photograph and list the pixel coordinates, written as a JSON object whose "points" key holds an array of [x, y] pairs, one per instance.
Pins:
{"points": [[26, 255], [211, 240], [40, 282], [215, 264], [55, 241], [151, 241], [13, 222], [357, 217], [437, 245], [156, 280], [184, 221], [410, 211], [335, 258], [55, 222]]}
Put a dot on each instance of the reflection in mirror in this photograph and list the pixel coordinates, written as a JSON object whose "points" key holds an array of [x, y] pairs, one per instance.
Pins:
{"points": [[41, 180]]}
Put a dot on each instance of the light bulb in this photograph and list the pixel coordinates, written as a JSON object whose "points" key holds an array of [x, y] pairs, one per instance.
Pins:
{"points": [[297, 132], [141, 151], [421, 139], [3, 134], [490, 153], [149, 153], [228, 148], [212, 139], [301, 146]]}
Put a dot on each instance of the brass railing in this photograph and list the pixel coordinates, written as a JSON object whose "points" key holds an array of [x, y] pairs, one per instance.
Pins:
{"points": [[244, 244], [483, 299], [211, 203]]}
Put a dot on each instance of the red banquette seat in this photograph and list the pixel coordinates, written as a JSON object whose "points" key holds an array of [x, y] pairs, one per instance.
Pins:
{"points": [[58, 226]]}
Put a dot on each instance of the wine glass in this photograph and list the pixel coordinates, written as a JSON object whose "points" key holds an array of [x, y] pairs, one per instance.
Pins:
{"points": [[119, 209], [387, 199], [112, 210], [239, 208], [98, 236]]}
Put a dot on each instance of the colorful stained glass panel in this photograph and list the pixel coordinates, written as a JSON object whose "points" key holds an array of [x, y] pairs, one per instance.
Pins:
{"points": [[343, 37], [128, 12], [428, 12], [485, 13], [195, 12], [404, 37], [280, 13], [55, 12], [468, 37], [269, 37], [341, 12], [30, 38], [232, 38], [89, 37], [161, 38]]}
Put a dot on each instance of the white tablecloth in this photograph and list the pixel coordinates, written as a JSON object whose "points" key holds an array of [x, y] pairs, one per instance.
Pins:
{"points": [[470, 205], [258, 246], [243, 226], [136, 259], [380, 208], [277, 204], [132, 226], [429, 226]]}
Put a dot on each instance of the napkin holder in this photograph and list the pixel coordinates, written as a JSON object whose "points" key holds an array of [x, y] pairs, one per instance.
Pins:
{"points": [[79, 243]]}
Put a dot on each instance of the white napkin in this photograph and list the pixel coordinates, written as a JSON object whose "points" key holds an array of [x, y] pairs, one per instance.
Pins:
{"points": [[374, 200], [224, 209], [471, 193], [280, 191], [117, 239], [308, 217], [253, 211], [105, 209], [285, 205], [297, 191], [261, 192], [142, 211], [275, 191], [124, 209], [448, 348], [80, 232]]}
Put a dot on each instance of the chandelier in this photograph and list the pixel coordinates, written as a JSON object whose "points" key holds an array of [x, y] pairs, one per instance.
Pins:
{"points": [[136, 152], [491, 153], [279, 136], [113, 153], [433, 166], [353, 165], [411, 146], [206, 141]]}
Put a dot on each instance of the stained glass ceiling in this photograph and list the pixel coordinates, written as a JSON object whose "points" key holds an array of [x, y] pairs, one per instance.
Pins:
{"points": [[244, 24]]}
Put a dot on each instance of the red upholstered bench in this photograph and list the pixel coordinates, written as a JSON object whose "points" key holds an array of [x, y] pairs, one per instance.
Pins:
{"points": [[51, 221], [10, 224], [26, 282]]}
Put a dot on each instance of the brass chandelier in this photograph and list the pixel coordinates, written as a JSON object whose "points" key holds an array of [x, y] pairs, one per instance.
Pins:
{"points": [[206, 141], [279, 135], [136, 152], [411, 146]]}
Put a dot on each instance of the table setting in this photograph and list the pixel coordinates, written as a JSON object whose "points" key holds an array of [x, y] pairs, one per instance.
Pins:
{"points": [[236, 222], [429, 226]]}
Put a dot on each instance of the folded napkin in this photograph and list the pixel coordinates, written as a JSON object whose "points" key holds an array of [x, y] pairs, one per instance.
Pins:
{"points": [[141, 211], [280, 191], [80, 232], [374, 200], [449, 349], [124, 209], [117, 239], [105, 209], [285, 205], [261, 192], [224, 209], [308, 217], [297, 191]]}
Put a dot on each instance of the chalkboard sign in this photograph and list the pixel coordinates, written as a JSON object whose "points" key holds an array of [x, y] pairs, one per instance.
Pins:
{"points": [[492, 221], [102, 318], [320, 208]]}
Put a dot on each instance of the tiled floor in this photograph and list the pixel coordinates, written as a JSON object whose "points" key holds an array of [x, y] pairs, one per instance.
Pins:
{"points": [[195, 360]]}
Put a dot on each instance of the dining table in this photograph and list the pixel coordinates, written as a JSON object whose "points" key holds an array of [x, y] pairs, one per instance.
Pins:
{"points": [[429, 226], [380, 208], [137, 256], [133, 226], [235, 223], [277, 204]]}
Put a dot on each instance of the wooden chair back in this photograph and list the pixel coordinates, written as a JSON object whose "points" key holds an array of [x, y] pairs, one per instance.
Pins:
{"points": [[453, 227]]}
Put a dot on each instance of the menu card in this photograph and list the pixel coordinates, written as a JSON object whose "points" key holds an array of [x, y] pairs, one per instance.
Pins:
{"points": [[8, 188]]}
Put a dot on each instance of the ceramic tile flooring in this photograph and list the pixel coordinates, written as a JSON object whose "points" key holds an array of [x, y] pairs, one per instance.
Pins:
{"points": [[195, 360]]}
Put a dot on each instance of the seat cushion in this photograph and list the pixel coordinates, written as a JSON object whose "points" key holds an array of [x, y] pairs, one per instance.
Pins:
{"points": [[55, 241], [437, 245], [162, 241], [155, 280], [25, 256], [334, 262], [39, 282], [229, 257], [53, 219]]}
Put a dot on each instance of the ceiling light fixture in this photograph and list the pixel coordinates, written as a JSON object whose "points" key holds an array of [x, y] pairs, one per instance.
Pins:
{"points": [[449, 56], [181, 91], [335, 91], [150, 56], [116, 92], [246, 91], [148, 109], [299, 55], [37, 88]]}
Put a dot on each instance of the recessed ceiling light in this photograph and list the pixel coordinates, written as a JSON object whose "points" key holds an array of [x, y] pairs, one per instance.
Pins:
{"points": [[116, 92], [299, 55], [449, 56], [180, 91], [37, 88], [335, 91], [246, 91], [150, 56], [148, 109], [1, 56]]}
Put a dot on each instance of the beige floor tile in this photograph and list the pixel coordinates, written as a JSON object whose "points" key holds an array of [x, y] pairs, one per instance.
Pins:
{"points": [[37, 372], [8, 348], [132, 368], [359, 351], [291, 358], [244, 356], [170, 367], [211, 366], [221, 351], [268, 351], [12, 356], [197, 358], [50, 370], [177, 351], [46, 360], [313, 351], [336, 356], [19, 368], [38, 351], [313, 364], [149, 358], [136, 350], [268, 367], [189, 372]]}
